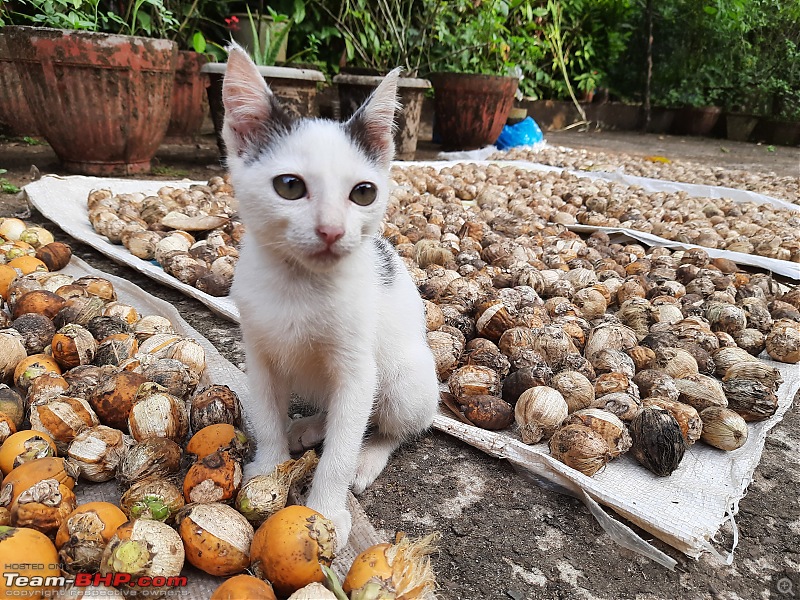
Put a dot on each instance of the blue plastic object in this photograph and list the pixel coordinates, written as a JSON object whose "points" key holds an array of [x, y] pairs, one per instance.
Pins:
{"points": [[524, 133]]}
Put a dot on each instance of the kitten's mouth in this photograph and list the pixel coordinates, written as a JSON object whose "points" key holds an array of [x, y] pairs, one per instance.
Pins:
{"points": [[326, 254]]}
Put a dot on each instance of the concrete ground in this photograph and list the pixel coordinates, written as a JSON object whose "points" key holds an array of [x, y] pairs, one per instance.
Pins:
{"points": [[501, 536]]}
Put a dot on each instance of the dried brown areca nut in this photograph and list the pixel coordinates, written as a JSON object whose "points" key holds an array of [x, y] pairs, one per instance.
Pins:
{"points": [[658, 442], [576, 389], [488, 412], [214, 404], [158, 414], [610, 336], [581, 448], [13, 405], [656, 383], [676, 362], [643, 357], [153, 458], [36, 301], [607, 424], [150, 325], [759, 371], [62, 418], [56, 255], [613, 361], [539, 412], [750, 398], [98, 286], [622, 404], [36, 330], [525, 378], [489, 356], [434, 317], [724, 358], [101, 327], [608, 383], [783, 341], [723, 428], [79, 310], [97, 452], [473, 380], [686, 416], [701, 391], [12, 351], [493, 319], [446, 349]]}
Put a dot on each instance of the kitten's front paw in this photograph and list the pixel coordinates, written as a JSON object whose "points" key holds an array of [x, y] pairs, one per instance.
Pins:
{"points": [[342, 521]]}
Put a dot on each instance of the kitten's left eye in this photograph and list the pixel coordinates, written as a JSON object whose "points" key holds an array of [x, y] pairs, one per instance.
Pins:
{"points": [[364, 193], [289, 187]]}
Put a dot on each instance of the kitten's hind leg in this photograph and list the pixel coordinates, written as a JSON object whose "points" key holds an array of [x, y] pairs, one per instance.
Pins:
{"points": [[372, 460], [404, 410], [306, 433]]}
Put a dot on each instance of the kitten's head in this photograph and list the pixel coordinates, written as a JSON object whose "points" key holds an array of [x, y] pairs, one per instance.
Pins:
{"points": [[310, 190]]}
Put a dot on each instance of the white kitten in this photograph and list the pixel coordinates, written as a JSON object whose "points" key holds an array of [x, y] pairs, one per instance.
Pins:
{"points": [[328, 310]]}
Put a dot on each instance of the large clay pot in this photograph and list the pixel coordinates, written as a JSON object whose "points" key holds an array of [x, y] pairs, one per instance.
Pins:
{"points": [[739, 126], [15, 115], [102, 101], [696, 120], [470, 110], [296, 89], [660, 119], [188, 95], [355, 89]]}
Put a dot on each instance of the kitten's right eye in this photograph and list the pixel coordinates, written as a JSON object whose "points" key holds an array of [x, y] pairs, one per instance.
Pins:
{"points": [[289, 187]]}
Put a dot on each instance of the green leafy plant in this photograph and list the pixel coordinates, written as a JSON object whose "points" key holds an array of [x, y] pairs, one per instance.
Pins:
{"points": [[266, 52], [383, 34], [6, 187], [137, 17]]}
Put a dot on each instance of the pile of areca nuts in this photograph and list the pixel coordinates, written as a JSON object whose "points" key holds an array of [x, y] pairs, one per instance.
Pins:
{"points": [[595, 346], [659, 167]]}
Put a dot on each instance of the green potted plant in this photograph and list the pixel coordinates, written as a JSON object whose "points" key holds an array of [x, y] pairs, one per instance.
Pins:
{"points": [[378, 36], [475, 74], [296, 88], [100, 99]]}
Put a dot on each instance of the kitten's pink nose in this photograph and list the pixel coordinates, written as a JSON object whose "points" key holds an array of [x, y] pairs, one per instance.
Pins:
{"points": [[330, 233]]}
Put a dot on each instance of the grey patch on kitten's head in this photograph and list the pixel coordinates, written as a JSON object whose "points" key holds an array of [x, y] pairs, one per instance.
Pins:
{"points": [[254, 119], [387, 269], [372, 126]]}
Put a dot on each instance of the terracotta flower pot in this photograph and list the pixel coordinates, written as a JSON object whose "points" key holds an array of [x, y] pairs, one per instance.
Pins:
{"points": [[660, 119], [15, 115], [295, 88], [696, 120], [188, 94], [355, 89], [102, 101], [739, 126], [470, 110]]}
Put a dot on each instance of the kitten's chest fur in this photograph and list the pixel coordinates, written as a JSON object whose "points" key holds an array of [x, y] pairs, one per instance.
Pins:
{"points": [[311, 328]]}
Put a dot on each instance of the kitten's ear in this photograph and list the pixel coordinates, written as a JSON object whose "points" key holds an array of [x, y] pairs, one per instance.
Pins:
{"points": [[372, 125], [252, 113]]}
